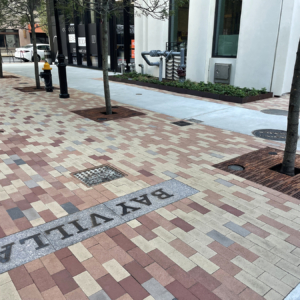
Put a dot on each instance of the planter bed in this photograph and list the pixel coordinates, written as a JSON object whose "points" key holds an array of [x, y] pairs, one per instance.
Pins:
{"points": [[194, 92]]}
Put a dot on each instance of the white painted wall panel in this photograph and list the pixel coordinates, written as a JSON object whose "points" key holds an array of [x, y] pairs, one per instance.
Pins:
{"points": [[292, 49], [150, 34], [257, 43], [283, 47], [201, 23]]}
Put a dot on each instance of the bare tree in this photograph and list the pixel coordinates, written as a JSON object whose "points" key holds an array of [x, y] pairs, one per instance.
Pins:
{"points": [[21, 13], [158, 9], [288, 164], [3, 24], [43, 19]]}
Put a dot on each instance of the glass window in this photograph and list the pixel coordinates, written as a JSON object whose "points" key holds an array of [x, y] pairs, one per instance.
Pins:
{"points": [[179, 20], [227, 27]]}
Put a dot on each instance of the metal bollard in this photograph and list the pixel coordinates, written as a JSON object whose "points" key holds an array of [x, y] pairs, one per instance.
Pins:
{"points": [[142, 68], [47, 76], [122, 64], [132, 67]]}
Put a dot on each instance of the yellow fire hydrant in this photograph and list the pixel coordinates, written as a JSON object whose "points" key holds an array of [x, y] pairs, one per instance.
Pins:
{"points": [[47, 76]]}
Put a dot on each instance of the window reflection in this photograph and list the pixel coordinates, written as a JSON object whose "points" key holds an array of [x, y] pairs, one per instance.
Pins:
{"points": [[227, 27]]}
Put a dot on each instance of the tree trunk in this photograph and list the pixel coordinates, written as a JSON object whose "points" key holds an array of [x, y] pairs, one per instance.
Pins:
{"points": [[104, 31], [1, 70], [36, 65], [288, 164]]}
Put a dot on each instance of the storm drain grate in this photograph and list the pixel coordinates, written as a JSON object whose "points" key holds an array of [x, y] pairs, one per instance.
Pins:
{"points": [[181, 123], [98, 175]]}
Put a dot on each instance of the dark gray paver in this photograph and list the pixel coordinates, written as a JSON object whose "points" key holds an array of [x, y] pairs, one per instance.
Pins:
{"points": [[15, 157], [61, 169], [15, 213], [224, 182], [70, 149], [220, 238], [237, 229], [8, 161], [100, 150], [31, 184], [101, 295], [170, 174], [37, 178], [20, 162], [113, 147], [156, 290], [70, 208], [151, 152]]}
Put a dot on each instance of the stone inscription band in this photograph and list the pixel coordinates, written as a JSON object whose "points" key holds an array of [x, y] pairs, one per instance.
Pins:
{"points": [[22, 247]]}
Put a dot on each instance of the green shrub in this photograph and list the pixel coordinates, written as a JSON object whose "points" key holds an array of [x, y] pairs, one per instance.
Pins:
{"points": [[215, 88]]}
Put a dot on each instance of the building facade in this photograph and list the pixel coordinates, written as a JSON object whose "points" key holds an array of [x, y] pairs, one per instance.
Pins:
{"points": [[255, 41], [82, 42], [10, 39]]}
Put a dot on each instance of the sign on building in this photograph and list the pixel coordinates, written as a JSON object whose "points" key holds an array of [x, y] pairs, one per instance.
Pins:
{"points": [[72, 38], [81, 42]]}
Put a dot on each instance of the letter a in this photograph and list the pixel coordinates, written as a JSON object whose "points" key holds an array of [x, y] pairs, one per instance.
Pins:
{"points": [[6, 252], [145, 200], [125, 208], [94, 221]]}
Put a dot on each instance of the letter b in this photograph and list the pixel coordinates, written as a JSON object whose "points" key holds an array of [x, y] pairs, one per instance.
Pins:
{"points": [[160, 194]]}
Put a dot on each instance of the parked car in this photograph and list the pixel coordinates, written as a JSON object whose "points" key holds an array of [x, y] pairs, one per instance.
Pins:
{"points": [[26, 53]]}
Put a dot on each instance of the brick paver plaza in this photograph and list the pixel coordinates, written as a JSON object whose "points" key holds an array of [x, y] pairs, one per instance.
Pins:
{"points": [[231, 239]]}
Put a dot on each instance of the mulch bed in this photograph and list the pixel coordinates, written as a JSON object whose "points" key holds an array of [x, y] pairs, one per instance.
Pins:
{"points": [[257, 166], [99, 114], [8, 76], [31, 89]]}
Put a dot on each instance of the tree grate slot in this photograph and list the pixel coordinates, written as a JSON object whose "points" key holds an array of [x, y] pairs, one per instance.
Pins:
{"points": [[98, 175]]}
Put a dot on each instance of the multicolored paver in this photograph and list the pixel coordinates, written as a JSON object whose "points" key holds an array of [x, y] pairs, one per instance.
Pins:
{"points": [[232, 239]]}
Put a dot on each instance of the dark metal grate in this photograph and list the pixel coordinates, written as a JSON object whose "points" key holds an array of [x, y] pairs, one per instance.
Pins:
{"points": [[236, 168], [270, 134], [98, 175], [181, 123]]}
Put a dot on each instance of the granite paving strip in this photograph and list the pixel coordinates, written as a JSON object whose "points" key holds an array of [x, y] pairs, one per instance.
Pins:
{"points": [[79, 226]]}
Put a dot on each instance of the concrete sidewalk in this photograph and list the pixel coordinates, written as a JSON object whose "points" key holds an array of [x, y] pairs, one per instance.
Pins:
{"points": [[217, 236]]}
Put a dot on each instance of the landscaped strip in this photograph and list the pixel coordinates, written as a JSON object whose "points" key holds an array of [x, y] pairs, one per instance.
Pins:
{"points": [[216, 91]]}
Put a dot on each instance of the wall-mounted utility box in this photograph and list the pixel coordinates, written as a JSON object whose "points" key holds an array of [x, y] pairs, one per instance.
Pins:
{"points": [[222, 73]]}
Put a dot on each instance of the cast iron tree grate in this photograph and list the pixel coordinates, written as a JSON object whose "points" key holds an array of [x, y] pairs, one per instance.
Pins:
{"points": [[181, 123], [98, 175], [270, 134]]}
